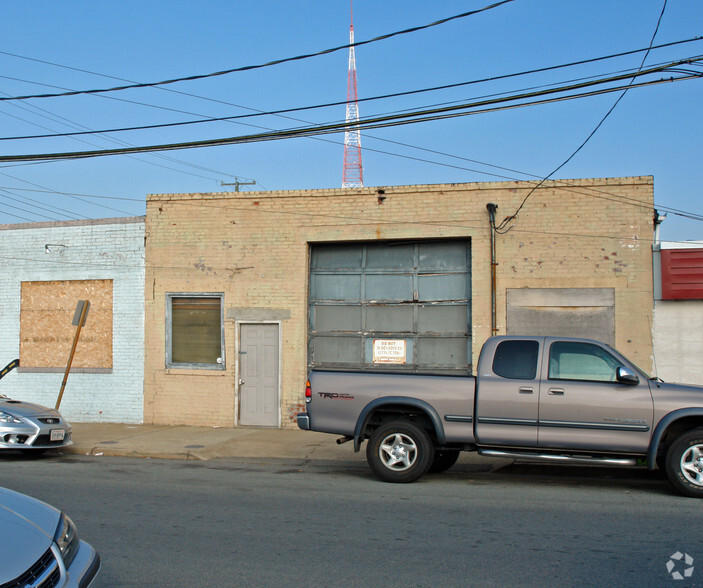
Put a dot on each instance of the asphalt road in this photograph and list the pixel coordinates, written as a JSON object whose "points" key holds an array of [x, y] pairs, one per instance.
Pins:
{"points": [[228, 523]]}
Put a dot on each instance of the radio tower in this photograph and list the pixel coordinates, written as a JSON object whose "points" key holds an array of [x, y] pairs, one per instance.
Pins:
{"points": [[352, 176]]}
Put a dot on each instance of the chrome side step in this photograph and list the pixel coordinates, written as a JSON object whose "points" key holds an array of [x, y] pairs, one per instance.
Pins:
{"points": [[559, 458]]}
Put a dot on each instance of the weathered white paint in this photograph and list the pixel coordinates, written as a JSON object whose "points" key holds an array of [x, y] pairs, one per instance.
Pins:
{"points": [[678, 340], [111, 249]]}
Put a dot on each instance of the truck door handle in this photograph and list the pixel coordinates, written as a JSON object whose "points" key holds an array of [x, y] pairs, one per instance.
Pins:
{"points": [[556, 391], [526, 390]]}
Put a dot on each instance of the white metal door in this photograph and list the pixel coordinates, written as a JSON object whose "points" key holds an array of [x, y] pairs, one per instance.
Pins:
{"points": [[258, 375]]}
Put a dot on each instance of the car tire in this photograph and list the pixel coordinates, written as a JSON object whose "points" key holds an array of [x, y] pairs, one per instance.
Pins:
{"points": [[443, 459], [684, 464], [400, 452]]}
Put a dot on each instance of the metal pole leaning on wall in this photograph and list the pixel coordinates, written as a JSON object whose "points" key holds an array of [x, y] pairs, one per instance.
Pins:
{"points": [[78, 320]]}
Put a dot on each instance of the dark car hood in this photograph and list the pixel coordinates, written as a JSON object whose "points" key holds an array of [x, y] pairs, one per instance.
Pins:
{"points": [[28, 526]]}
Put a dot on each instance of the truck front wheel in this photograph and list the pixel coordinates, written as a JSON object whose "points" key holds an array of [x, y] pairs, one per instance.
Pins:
{"points": [[684, 463], [399, 451]]}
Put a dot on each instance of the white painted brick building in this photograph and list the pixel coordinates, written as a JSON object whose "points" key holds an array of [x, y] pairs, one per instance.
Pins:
{"points": [[678, 311], [47, 267]]}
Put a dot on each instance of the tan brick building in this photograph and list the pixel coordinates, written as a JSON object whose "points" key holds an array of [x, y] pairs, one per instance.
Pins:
{"points": [[246, 291]]}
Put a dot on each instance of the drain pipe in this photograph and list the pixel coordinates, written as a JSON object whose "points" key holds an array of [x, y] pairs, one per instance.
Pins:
{"points": [[492, 222]]}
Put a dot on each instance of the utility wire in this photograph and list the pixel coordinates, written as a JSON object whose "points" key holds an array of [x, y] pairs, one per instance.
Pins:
{"points": [[389, 120], [483, 172], [270, 63], [503, 227], [62, 120], [260, 113]]}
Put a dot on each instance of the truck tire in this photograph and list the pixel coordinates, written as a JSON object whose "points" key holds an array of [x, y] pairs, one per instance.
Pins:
{"points": [[400, 452], [443, 459], [684, 464]]}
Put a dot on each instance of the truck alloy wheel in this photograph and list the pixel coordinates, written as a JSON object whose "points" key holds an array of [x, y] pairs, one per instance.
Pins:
{"points": [[399, 451], [684, 463]]}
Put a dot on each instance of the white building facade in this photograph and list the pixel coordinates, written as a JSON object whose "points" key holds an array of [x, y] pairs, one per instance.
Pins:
{"points": [[48, 269], [678, 311]]}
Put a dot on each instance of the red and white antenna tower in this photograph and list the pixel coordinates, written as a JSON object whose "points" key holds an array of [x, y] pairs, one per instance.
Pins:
{"points": [[353, 176]]}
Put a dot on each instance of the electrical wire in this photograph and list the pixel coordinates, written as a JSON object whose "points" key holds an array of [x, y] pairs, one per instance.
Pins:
{"points": [[523, 173], [269, 63], [503, 227], [260, 113], [483, 172], [385, 121]]}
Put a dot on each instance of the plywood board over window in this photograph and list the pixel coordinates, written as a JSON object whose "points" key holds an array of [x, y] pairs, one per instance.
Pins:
{"points": [[562, 312], [46, 329]]}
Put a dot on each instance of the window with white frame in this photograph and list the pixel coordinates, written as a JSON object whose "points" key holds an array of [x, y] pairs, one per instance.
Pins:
{"points": [[194, 331]]}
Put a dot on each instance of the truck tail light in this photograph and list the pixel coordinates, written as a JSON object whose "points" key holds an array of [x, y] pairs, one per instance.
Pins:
{"points": [[308, 392]]}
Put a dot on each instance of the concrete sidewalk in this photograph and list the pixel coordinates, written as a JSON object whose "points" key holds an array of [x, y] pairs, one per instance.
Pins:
{"points": [[203, 443]]}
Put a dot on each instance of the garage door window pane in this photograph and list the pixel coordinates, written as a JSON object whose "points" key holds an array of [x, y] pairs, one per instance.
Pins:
{"points": [[389, 287], [330, 258], [337, 286], [196, 331], [442, 255], [390, 256], [443, 287]]}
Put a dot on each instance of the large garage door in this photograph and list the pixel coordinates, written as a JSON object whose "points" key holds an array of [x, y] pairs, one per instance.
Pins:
{"points": [[391, 306]]}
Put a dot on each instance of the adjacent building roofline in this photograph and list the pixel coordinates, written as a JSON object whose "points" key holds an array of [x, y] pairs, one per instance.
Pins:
{"points": [[74, 223]]}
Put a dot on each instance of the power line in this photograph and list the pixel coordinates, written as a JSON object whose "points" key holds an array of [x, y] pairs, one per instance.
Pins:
{"points": [[503, 227], [277, 113], [408, 117], [269, 63], [261, 113], [62, 120]]}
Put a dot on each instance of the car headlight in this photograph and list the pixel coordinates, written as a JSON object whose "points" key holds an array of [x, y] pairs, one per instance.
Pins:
{"points": [[6, 417], [66, 537]]}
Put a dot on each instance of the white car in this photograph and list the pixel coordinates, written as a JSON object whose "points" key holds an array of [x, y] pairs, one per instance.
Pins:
{"points": [[39, 546], [31, 427]]}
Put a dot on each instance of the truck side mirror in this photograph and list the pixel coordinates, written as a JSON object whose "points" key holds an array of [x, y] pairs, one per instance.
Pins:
{"points": [[626, 376]]}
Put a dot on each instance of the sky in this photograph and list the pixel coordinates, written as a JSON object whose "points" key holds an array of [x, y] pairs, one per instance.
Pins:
{"points": [[51, 47]]}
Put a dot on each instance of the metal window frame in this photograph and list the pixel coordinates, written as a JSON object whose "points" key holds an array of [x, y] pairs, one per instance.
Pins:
{"points": [[169, 324]]}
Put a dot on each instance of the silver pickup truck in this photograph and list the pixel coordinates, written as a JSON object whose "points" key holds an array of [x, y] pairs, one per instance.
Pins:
{"points": [[547, 398]]}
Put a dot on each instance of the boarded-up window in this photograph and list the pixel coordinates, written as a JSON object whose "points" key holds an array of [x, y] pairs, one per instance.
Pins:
{"points": [[195, 336], [46, 329], [562, 312]]}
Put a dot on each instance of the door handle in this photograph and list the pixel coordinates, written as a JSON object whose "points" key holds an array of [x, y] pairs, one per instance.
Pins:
{"points": [[556, 391], [526, 390], [241, 381]]}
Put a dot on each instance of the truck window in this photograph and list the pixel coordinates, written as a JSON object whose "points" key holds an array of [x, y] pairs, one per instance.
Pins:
{"points": [[581, 361], [516, 360]]}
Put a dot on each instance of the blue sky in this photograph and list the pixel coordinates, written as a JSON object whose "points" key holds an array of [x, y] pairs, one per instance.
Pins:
{"points": [[52, 47]]}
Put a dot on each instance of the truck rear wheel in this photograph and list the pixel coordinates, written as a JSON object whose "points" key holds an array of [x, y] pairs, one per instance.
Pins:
{"points": [[684, 464], [399, 451]]}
